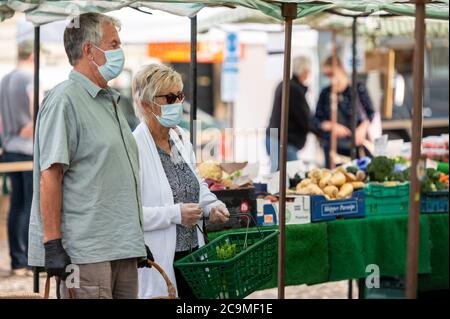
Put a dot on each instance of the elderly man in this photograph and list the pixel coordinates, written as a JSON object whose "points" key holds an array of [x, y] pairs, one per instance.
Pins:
{"points": [[299, 115], [86, 204]]}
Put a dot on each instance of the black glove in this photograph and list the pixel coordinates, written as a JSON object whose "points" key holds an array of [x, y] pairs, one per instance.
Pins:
{"points": [[143, 263], [56, 259]]}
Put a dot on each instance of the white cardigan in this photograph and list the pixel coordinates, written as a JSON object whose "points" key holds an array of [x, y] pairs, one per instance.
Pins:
{"points": [[161, 215]]}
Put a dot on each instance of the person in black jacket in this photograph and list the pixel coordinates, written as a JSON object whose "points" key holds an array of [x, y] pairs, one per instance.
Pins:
{"points": [[299, 115]]}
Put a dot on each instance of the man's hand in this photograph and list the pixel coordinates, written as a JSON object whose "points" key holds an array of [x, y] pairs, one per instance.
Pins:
{"points": [[27, 130], [56, 259], [219, 214], [143, 263]]}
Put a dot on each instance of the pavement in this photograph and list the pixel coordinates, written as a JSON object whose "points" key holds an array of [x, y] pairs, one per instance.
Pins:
{"points": [[18, 284]]}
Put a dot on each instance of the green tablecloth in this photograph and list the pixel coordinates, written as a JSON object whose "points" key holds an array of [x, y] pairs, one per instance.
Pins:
{"points": [[339, 250]]}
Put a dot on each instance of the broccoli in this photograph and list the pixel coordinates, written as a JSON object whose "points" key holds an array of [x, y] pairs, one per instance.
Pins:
{"points": [[427, 185], [397, 176], [431, 181], [380, 168], [407, 174], [402, 176], [433, 175]]}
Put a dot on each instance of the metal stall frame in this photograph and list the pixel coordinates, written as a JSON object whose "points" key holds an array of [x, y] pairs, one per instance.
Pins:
{"points": [[289, 13]]}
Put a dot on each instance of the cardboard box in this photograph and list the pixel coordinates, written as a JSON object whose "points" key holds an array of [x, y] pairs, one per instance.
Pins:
{"points": [[260, 202], [297, 212]]}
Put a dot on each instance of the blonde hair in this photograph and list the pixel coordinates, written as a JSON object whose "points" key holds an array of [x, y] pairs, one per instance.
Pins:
{"points": [[150, 81]]}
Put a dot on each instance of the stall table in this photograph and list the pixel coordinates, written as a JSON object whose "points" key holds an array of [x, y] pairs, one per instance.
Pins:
{"points": [[342, 249]]}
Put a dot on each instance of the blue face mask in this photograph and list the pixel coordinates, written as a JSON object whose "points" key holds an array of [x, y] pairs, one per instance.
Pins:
{"points": [[115, 60], [171, 114]]}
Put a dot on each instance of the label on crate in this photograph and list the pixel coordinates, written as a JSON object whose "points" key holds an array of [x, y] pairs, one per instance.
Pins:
{"points": [[345, 208], [268, 219]]}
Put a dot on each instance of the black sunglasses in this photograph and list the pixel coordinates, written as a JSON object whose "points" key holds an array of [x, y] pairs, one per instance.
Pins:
{"points": [[172, 98]]}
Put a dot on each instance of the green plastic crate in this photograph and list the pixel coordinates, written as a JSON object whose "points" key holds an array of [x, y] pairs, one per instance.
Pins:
{"points": [[386, 200], [236, 277]]}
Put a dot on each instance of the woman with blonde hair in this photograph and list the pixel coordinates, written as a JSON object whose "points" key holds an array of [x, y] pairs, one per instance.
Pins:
{"points": [[174, 198]]}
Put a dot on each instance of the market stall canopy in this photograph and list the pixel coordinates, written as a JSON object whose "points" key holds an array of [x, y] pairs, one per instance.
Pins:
{"points": [[371, 25], [41, 12], [176, 28]]}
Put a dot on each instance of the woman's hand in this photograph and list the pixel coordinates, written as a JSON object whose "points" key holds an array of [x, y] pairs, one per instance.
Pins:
{"points": [[341, 130], [219, 214], [190, 214], [361, 133]]}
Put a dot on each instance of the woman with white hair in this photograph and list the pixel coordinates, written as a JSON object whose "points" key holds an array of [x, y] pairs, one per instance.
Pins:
{"points": [[174, 198]]}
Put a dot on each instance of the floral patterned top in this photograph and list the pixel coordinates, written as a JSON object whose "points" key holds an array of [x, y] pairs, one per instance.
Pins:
{"points": [[185, 188]]}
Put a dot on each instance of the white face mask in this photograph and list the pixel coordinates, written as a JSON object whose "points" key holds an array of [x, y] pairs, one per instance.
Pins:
{"points": [[171, 114], [115, 60]]}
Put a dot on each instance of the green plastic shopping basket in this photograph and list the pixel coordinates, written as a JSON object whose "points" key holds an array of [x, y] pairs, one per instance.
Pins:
{"points": [[234, 278]]}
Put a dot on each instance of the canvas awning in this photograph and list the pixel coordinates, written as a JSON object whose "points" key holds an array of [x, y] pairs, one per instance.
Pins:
{"points": [[40, 11], [372, 25]]}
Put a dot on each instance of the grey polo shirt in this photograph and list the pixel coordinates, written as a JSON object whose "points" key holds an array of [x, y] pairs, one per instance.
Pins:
{"points": [[15, 89], [101, 220]]}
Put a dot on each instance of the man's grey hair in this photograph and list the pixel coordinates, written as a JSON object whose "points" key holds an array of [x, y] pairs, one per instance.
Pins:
{"points": [[86, 27], [300, 65]]}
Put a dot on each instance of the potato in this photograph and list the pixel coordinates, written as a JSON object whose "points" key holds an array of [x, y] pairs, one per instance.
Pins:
{"points": [[358, 185], [302, 191], [360, 176], [338, 179], [315, 174], [326, 176], [331, 191], [314, 189], [311, 189], [341, 169], [350, 177], [345, 191], [305, 182]]}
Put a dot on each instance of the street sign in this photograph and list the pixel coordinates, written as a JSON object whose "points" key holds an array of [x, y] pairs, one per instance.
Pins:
{"points": [[230, 69]]}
